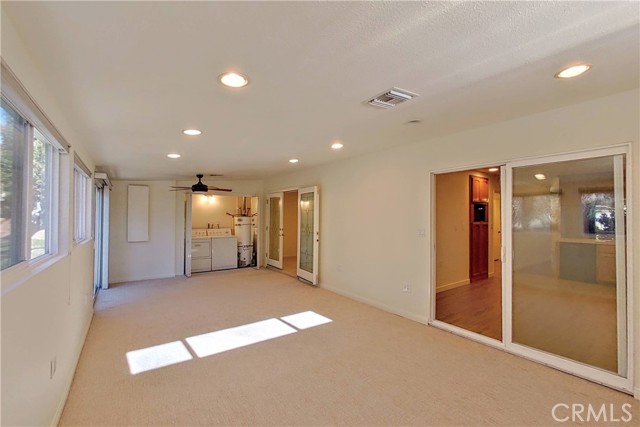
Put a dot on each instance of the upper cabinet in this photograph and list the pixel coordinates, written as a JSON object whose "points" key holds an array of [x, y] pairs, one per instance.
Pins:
{"points": [[479, 189]]}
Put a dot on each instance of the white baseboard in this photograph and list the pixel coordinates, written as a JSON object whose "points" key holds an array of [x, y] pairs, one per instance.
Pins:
{"points": [[67, 387], [139, 279], [377, 304], [452, 285]]}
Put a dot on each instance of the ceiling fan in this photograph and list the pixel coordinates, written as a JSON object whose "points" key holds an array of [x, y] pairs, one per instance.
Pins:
{"points": [[199, 187]]}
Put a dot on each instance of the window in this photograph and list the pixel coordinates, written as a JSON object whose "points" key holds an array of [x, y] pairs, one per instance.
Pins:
{"points": [[535, 212], [12, 150], [81, 203], [42, 154], [28, 163], [598, 212]]}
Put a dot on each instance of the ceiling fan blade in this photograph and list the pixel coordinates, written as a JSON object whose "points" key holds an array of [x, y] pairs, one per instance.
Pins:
{"points": [[200, 187]]}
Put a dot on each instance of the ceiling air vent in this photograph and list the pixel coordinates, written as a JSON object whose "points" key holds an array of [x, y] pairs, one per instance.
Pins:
{"points": [[392, 97]]}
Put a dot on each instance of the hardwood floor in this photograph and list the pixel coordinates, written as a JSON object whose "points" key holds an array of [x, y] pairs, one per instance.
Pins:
{"points": [[289, 265], [576, 320], [476, 307]]}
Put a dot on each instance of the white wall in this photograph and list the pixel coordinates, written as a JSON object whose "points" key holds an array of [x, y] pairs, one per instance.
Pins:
{"points": [[142, 260], [213, 210], [45, 312], [365, 256]]}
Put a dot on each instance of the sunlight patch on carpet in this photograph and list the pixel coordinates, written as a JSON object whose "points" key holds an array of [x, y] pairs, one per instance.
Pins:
{"points": [[211, 343], [157, 356], [228, 339], [305, 320]]}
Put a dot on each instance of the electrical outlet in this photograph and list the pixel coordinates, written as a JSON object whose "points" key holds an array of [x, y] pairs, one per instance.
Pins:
{"points": [[422, 232], [405, 287], [52, 367]]}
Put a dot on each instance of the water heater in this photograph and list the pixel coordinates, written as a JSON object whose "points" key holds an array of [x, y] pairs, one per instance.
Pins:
{"points": [[243, 234]]}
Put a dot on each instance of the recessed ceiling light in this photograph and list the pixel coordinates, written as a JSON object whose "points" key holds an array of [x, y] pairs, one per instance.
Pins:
{"points": [[540, 176], [337, 145], [573, 71], [293, 161], [192, 132], [173, 156], [493, 169], [233, 80]]}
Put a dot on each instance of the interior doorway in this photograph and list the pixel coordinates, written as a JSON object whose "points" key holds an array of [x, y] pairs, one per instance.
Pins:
{"points": [[468, 251], [283, 231], [293, 232], [221, 232]]}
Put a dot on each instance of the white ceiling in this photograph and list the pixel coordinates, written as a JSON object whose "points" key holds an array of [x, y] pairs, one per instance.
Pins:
{"points": [[132, 75]]}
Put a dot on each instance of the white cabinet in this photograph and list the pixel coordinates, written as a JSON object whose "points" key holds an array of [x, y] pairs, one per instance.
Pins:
{"points": [[224, 253], [200, 255], [214, 253]]}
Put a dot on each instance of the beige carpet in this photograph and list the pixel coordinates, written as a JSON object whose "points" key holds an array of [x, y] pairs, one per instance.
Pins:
{"points": [[367, 367]]}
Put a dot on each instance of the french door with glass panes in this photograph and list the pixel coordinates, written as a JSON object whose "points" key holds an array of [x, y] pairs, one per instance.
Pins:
{"points": [[308, 234], [275, 226]]}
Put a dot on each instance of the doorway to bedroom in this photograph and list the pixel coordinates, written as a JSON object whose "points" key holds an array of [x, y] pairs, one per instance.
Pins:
{"points": [[468, 251]]}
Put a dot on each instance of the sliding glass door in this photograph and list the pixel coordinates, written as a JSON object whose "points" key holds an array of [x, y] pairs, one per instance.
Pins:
{"points": [[568, 281], [565, 295]]}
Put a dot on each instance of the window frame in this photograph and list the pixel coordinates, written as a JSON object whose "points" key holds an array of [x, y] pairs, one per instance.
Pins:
{"points": [[81, 214], [16, 97], [50, 247], [27, 194]]}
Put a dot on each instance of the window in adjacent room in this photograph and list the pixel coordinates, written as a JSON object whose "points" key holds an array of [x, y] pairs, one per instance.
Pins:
{"points": [[598, 212]]}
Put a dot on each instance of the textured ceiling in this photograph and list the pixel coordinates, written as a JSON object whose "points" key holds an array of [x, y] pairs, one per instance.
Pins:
{"points": [[132, 75]]}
